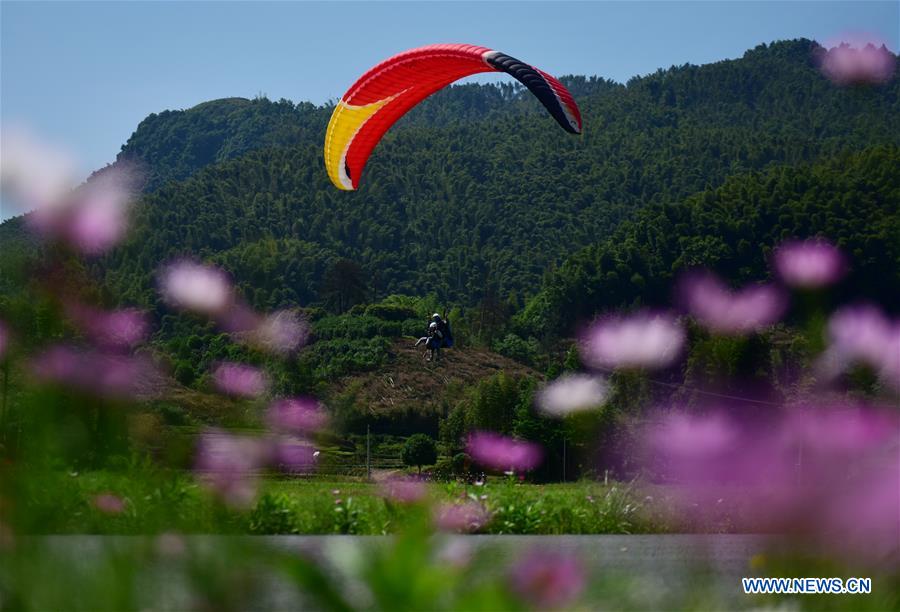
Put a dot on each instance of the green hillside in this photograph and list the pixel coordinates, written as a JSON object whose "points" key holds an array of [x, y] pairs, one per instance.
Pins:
{"points": [[476, 193]]}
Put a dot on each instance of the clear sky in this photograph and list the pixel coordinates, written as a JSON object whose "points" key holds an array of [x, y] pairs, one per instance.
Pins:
{"points": [[84, 74]]}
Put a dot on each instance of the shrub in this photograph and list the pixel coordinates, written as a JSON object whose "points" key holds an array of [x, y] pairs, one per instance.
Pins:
{"points": [[273, 514], [390, 312], [514, 347], [461, 464]]}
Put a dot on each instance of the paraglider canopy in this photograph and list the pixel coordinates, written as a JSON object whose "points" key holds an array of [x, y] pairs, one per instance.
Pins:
{"points": [[387, 91]]}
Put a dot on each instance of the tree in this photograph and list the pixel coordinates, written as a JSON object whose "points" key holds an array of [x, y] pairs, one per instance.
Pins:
{"points": [[419, 450], [344, 285]]}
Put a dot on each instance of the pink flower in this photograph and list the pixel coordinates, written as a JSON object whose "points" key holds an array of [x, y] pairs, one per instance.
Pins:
{"points": [[109, 503], [863, 334], [857, 64], [228, 465], [302, 415], [652, 340], [820, 469], [280, 333], [240, 380], [293, 455], [93, 218], [403, 490], [809, 264], [548, 579], [862, 518], [730, 312], [199, 288], [572, 393], [111, 329], [95, 372], [468, 516], [501, 453]]}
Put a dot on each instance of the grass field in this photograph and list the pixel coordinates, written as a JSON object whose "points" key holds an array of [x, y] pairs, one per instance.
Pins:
{"points": [[153, 501]]}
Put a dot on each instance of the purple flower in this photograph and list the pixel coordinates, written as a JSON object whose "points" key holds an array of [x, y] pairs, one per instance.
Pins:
{"points": [[112, 329], [815, 469], [861, 63], [228, 465], [863, 334], [809, 264], [302, 415], [279, 333], [109, 503], [95, 372], [92, 218], [293, 455], [501, 453], [572, 393], [403, 490], [548, 579], [240, 380], [865, 513], [645, 339], [730, 312], [467, 516], [196, 287]]}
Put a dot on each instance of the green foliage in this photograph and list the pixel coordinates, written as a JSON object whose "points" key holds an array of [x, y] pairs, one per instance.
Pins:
{"points": [[848, 199], [514, 347], [419, 450], [273, 514], [476, 178]]}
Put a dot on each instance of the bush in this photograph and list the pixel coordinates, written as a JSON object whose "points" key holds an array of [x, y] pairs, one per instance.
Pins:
{"points": [[419, 450], [461, 465], [514, 347], [390, 312], [273, 514]]}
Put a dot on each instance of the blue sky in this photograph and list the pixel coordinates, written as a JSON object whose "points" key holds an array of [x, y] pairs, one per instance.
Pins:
{"points": [[84, 74]]}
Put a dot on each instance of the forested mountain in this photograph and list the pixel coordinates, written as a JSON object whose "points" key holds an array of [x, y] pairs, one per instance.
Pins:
{"points": [[852, 199], [476, 192]]}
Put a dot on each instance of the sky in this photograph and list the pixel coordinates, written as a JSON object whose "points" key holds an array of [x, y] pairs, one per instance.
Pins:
{"points": [[84, 74]]}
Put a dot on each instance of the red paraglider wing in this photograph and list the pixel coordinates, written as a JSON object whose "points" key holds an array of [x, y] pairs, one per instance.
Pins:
{"points": [[387, 91]]}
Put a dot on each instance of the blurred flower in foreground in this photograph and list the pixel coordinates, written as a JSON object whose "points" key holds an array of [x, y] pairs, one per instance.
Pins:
{"points": [[196, 287], [112, 329], [857, 64], [572, 393], [501, 453], [240, 380], [33, 173], [279, 333], [809, 264], [467, 516], [92, 218], [109, 503], [547, 579], [403, 490], [730, 312], [228, 465], [96, 373], [812, 469], [293, 455], [301, 415], [863, 334], [645, 339]]}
